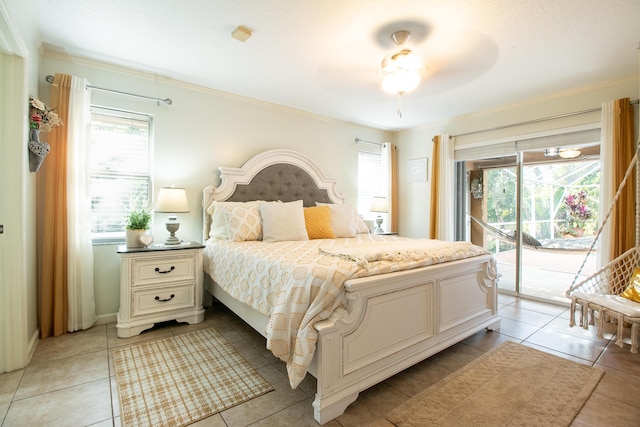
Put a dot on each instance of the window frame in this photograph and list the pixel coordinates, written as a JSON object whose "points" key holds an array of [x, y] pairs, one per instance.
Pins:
{"points": [[364, 197], [118, 237]]}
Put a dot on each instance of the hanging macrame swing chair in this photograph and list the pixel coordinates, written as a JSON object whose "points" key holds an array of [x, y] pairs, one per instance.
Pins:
{"points": [[601, 292]]}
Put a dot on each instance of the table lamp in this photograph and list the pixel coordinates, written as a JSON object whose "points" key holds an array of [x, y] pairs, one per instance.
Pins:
{"points": [[379, 204], [172, 200]]}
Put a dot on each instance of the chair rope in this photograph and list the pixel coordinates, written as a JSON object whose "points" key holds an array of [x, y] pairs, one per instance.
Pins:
{"points": [[632, 164]]}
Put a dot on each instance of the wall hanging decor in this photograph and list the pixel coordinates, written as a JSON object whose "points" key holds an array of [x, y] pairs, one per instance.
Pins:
{"points": [[417, 169], [41, 119]]}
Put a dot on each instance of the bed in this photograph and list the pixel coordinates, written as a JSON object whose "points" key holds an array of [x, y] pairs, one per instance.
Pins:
{"points": [[385, 316]]}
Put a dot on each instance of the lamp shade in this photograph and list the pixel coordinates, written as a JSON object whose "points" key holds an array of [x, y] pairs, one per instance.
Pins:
{"points": [[172, 200], [379, 204]]}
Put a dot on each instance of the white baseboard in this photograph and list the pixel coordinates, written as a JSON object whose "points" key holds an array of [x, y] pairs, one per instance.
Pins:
{"points": [[103, 319]]}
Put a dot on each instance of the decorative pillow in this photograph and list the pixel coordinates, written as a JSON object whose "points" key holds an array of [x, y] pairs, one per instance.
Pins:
{"points": [[218, 229], [283, 221], [633, 291], [342, 219], [243, 222], [317, 221]]}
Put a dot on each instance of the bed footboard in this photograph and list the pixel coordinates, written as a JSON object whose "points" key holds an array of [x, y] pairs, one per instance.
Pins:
{"points": [[396, 320]]}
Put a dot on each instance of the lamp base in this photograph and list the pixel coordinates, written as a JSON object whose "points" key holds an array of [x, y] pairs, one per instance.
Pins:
{"points": [[172, 227], [172, 240], [378, 228]]}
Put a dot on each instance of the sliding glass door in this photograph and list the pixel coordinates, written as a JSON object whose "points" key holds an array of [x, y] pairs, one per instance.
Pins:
{"points": [[536, 212], [559, 217]]}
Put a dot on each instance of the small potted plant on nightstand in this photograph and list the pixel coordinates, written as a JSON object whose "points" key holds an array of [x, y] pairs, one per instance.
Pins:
{"points": [[138, 222]]}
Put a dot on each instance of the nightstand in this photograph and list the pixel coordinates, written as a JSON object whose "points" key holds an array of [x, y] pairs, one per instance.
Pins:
{"points": [[159, 283]]}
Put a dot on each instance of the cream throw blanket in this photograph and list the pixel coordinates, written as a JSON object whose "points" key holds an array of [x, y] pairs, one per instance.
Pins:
{"points": [[428, 251]]}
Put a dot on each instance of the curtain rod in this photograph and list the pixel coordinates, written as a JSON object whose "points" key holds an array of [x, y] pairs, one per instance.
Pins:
{"points": [[167, 101], [358, 140], [528, 122]]}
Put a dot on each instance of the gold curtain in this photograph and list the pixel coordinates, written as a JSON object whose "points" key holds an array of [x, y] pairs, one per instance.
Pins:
{"points": [[52, 219], [623, 215], [435, 173], [393, 188]]}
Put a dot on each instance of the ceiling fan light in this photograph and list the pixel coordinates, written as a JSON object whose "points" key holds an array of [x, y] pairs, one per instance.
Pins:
{"points": [[569, 153], [400, 81], [401, 71], [408, 59], [403, 60]]}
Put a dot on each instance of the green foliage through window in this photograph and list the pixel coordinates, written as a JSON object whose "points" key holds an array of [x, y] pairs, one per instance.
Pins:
{"points": [[545, 188]]}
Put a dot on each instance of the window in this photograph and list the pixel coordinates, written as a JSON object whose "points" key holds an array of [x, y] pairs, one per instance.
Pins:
{"points": [[369, 181], [119, 169]]}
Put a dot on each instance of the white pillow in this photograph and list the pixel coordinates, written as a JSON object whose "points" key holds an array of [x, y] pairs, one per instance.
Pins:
{"points": [[283, 221], [361, 226], [342, 219], [243, 222]]}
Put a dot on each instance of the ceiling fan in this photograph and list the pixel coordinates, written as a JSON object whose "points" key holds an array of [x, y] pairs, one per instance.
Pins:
{"points": [[449, 56], [401, 71]]}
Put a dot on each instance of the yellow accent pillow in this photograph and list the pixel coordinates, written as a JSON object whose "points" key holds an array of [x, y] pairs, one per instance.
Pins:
{"points": [[317, 220], [633, 291]]}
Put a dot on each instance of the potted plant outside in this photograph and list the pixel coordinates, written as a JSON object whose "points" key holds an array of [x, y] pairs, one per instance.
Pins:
{"points": [[578, 214], [138, 222]]}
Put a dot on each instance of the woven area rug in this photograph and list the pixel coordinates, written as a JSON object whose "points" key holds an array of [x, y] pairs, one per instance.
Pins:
{"points": [[510, 385], [182, 379]]}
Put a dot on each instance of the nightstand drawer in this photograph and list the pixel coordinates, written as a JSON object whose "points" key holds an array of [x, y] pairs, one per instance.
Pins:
{"points": [[163, 270], [159, 299]]}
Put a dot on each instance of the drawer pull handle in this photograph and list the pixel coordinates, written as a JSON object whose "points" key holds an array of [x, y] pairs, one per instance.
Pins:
{"points": [[166, 299], [165, 271]]}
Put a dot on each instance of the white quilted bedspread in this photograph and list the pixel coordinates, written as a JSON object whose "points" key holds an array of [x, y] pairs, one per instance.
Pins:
{"points": [[298, 283]]}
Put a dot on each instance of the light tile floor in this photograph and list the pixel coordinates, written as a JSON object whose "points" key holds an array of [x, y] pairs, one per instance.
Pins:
{"points": [[70, 382]]}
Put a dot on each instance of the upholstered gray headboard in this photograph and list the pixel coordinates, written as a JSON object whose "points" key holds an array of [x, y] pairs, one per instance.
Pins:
{"points": [[282, 174], [284, 182]]}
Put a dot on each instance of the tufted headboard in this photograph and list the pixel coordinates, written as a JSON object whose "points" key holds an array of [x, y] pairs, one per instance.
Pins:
{"points": [[282, 174], [281, 181]]}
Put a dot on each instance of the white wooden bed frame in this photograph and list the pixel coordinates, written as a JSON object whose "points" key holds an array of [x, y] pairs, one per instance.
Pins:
{"points": [[393, 320]]}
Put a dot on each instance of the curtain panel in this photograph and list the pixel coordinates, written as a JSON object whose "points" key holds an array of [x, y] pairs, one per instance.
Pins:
{"points": [[441, 222], [616, 152], [81, 312], [65, 254], [623, 215], [52, 218], [390, 165]]}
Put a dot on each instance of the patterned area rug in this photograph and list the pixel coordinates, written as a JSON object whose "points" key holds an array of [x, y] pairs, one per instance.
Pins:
{"points": [[182, 379], [510, 385]]}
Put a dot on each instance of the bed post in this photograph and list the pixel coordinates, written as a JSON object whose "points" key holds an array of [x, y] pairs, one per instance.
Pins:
{"points": [[207, 198]]}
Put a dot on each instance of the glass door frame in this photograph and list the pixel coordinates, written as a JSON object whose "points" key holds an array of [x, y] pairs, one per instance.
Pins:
{"points": [[518, 164]]}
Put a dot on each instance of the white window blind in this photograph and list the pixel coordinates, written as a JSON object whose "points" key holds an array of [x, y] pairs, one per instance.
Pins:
{"points": [[562, 140], [119, 169], [369, 181], [494, 150], [568, 137]]}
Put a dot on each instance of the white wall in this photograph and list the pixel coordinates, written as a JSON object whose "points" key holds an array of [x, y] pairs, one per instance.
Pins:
{"points": [[414, 198], [201, 130]]}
